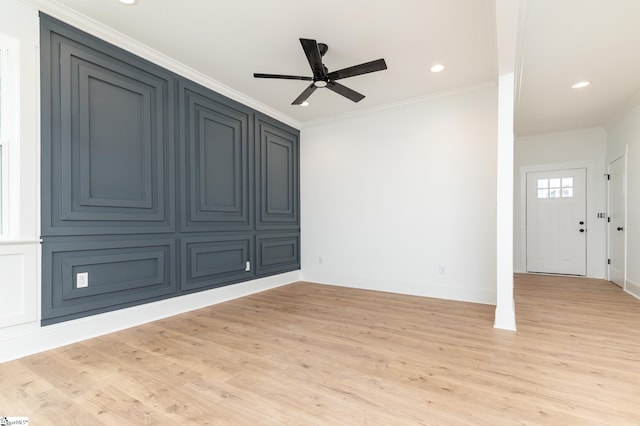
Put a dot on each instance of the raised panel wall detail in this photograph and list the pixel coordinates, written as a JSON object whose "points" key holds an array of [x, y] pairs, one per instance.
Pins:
{"points": [[18, 278], [215, 161], [145, 209], [99, 186], [211, 261], [110, 154], [120, 273], [277, 253], [277, 192]]}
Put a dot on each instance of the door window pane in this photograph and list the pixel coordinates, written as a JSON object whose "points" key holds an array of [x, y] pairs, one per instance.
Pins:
{"points": [[555, 187]]}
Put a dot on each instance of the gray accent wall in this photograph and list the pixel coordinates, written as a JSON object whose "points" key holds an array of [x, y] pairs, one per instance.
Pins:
{"points": [[216, 143], [277, 175], [153, 185]]}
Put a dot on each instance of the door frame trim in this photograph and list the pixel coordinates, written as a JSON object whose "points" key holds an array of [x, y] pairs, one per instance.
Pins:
{"points": [[590, 166], [624, 157]]}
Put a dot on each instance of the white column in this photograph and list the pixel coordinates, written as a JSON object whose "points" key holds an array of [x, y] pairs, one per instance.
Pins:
{"points": [[505, 309], [507, 14]]}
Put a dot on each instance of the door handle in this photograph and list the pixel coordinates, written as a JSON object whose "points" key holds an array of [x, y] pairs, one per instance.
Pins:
{"points": [[581, 230], [581, 222], [620, 228]]}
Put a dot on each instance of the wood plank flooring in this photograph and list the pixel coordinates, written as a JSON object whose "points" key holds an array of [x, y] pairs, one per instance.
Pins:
{"points": [[308, 354]]}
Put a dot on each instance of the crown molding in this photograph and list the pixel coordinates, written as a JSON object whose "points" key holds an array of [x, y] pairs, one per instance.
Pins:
{"points": [[110, 35], [624, 108], [392, 105]]}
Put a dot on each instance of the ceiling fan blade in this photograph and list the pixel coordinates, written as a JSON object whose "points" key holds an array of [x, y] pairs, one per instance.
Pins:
{"points": [[345, 91], [312, 51], [284, 77], [304, 95], [367, 67]]}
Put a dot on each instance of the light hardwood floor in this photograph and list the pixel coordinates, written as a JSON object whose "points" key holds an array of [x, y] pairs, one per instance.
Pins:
{"points": [[320, 355]]}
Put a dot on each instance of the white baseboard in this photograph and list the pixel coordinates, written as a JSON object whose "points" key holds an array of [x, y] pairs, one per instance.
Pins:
{"points": [[38, 339], [633, 288], [435, 290], [505, 319]]}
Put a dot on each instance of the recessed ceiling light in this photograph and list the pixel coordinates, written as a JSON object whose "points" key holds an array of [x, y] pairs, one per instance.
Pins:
{"points": [[437, 68], [581, 84], [305, 103], [128, 2]]}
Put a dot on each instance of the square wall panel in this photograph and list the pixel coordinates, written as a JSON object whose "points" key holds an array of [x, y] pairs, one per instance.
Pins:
{"points": [[277, 175], [215, 161], [277, 252], [214, 260], [107, 121]]}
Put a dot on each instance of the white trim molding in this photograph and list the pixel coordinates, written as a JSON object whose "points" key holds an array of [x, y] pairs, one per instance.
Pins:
{"points": [[19, 285], [10, 116], [447, 291], [506, 318], [25, 342], [625, 158], [108, 34], [590, 167], [632, 288], [392, 105]]}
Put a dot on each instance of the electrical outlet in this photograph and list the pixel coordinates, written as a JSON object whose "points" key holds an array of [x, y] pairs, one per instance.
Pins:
{"points": [[82, 279], [320, 260], [442, 269]]}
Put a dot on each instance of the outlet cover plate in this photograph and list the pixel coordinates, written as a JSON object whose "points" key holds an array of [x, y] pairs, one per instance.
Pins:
{"points": [[82, 279]]}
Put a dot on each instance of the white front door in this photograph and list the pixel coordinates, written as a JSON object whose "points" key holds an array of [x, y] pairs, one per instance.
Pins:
{"points": [[556, 222], [617, 221]]}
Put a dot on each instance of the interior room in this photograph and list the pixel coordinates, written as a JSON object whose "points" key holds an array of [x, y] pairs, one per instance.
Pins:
{"points": [[413, 212]]}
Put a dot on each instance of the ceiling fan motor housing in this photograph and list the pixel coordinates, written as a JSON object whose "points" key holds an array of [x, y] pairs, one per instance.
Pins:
{"points": [[323, 48], [321, 75]]}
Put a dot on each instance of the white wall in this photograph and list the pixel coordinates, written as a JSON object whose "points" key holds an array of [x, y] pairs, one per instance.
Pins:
{"points": [[19, 246], [625, 130], [391, 196], [587, 146]]}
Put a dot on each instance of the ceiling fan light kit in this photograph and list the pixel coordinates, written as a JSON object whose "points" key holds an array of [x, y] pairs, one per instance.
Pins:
{"points": [[321, 75]]}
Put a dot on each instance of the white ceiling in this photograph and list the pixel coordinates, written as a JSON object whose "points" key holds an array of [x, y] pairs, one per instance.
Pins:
{"points": [[560, 42], [566, 41], [230, 40]]}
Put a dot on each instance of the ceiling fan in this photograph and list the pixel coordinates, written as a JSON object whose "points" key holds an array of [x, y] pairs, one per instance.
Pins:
{"points": [[321, 75]]}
